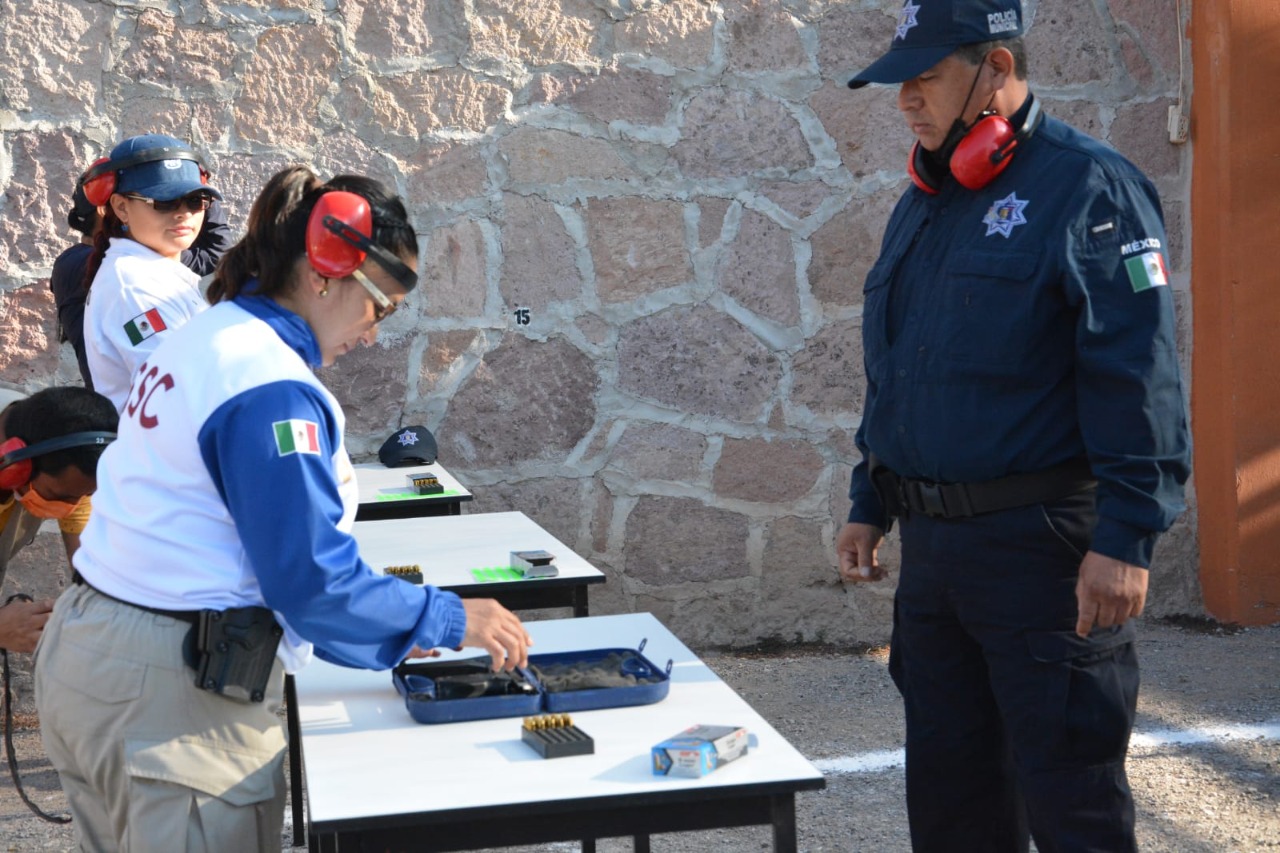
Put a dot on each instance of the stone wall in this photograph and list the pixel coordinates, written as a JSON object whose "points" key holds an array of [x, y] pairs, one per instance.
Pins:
{"points": [[644, 227]]}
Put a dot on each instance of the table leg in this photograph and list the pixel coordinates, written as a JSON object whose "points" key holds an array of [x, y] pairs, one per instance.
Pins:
{"points": [[295, 759], [784, 823], [580, 601], [588, 845], [642, 843]]}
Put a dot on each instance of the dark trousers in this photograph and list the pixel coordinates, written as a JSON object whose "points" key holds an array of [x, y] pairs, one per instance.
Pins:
{"points": [[1016, 727]]}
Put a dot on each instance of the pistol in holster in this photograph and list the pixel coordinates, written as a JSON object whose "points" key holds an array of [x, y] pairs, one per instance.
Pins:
{"points": [[232, 651]]}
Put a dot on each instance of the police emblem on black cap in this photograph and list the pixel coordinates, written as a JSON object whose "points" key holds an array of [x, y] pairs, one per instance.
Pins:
{"points": [[411, 445]]}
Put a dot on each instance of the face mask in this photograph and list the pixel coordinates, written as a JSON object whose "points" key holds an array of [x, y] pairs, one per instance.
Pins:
{"points": [[41, 507]]}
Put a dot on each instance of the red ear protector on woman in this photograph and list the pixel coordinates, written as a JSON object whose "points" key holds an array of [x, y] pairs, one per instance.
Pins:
{"points": [[100, 179], [339, 239], [981, 155], [16, 456]]}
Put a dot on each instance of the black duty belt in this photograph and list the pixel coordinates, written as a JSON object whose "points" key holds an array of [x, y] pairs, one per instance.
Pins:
{"points": [[192, 616], [902, 496]]}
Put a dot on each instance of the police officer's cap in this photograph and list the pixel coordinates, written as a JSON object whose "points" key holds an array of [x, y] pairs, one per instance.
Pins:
{"points": [[929, 31], [411, 445]]}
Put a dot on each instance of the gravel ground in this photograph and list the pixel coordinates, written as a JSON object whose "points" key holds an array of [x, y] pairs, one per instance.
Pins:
{"points": [[1218, 793]]}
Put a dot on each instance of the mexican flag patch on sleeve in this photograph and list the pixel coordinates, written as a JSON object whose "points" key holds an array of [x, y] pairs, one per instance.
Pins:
{"points": [[296, 436], [1146, 271], [144, 326]]}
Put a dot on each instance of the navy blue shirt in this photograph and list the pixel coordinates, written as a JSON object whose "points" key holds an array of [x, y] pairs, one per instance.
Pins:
{"points": [[67, 284], [211, 243], [1022, 325]]}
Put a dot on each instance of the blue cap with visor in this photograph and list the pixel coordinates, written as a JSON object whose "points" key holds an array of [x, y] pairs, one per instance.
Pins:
{"points": [[159, 167], [928, 31]]}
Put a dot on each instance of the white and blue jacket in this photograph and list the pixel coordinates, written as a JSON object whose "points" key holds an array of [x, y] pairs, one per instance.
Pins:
{"points": [[230, 486], [137, 299]]}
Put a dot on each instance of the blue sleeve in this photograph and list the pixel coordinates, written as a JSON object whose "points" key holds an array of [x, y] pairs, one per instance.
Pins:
{"points": [[67, 283], [211, 243], [269, 452], [867, 507], [904, 226], [1132, 408]]}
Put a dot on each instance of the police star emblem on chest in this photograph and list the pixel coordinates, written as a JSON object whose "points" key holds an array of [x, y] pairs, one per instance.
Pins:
{"points": [[1005, 215]]}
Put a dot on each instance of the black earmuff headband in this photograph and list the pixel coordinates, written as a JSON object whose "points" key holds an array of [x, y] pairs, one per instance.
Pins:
{"points": [[149, 155], [1029, 125], [53, 445], [394, 266]]}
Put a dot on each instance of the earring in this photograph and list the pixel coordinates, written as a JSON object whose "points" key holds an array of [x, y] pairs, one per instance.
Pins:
{"points": [[124, 228], [324, 291]]}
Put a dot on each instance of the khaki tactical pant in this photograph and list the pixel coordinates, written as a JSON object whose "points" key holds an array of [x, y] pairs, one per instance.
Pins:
{"points": [[149, 762]]}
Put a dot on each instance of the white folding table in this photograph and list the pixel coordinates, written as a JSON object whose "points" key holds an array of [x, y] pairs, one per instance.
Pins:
{"points": [[467, 553], [386, 492], [449, 550], [376, 779]]}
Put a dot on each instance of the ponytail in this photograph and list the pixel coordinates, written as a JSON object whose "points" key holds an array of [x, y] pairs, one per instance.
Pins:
{"points": [[260, 253], [109, 226]]}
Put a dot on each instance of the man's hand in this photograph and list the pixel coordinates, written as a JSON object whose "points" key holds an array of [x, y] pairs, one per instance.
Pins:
{"points": [[1108, 593], [856, 546], [21, 623], [496, 629]]}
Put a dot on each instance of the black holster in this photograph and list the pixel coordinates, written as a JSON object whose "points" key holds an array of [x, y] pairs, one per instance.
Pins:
{"points": [[233, 651]]}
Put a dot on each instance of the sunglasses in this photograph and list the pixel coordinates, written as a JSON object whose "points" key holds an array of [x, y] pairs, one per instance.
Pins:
{"points": [[384, 307], [194, 203]]}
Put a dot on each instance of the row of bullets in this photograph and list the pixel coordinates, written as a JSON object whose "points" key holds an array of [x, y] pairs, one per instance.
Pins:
{"points": [[426, 484], [403, 570], [547, 721]]}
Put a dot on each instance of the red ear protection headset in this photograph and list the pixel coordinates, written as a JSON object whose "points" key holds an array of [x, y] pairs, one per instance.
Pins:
{"points": [[981, 155], [339, 239], [100, 179], [16, 456]]}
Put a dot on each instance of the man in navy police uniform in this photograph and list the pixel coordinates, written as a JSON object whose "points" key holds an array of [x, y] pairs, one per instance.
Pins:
{"points": [[1025, 424]]}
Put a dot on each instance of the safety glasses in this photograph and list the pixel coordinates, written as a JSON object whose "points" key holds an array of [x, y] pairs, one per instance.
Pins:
{"points": [[194, 203], [384, 307]]}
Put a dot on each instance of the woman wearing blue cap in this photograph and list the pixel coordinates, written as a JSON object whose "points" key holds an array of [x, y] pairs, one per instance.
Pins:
{"points": [[154, 193]]}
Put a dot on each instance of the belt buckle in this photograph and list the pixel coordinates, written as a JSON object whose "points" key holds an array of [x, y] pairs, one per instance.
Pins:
{"points": [[930, 495]]}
